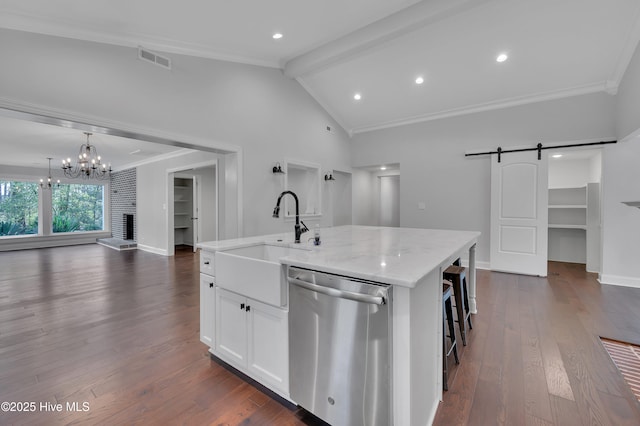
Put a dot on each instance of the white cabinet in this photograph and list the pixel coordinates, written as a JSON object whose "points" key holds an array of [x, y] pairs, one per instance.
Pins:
{"points": [[253, 337], [231, 327], [268, 344], [207, 299], [207, 309]]}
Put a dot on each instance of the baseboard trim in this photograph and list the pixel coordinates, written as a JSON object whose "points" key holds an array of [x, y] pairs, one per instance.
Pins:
{"points": [[479, 264], [26, 242], [152, 249], [619, 280]]}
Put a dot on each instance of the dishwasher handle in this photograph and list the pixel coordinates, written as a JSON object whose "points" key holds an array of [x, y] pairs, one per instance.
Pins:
{"points": [[329, 291]]}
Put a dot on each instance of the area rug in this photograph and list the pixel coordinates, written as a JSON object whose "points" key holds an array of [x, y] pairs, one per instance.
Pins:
{"points": [[627, 358]]}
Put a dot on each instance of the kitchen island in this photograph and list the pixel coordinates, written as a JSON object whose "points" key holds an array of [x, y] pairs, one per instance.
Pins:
{"points": [[411, 260]]}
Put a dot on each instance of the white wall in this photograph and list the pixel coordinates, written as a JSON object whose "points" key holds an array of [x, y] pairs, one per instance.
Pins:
{"points": [[569, 173], [621, 223], [621, 182], [628, 99], [455, 188], [575, 172], [595, 168], [212, 102], [341, 195]]}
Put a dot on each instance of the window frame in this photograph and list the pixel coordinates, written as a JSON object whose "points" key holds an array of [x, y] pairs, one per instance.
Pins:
{"points": [[45, 236]]}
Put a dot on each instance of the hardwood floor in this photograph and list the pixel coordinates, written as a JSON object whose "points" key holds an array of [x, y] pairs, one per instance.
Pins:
{"points": [[119, 332], [534, 355]]}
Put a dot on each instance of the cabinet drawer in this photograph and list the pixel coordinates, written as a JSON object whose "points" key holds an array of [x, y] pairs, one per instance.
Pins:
{"points": [[207, 263]]}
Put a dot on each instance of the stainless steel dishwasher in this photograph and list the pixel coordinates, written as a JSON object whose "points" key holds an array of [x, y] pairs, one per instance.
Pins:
{"points": [[340, 348]]}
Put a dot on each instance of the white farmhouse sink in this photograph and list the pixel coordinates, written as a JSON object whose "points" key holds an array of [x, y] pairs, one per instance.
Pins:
{"points": [[254, 271]]}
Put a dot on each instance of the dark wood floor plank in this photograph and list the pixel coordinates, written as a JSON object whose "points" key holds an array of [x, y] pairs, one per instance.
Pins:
{"points": [[565, 412], [536, 392]]}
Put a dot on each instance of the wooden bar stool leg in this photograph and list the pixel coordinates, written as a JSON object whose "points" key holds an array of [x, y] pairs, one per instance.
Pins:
{"points": [[466, 302]]}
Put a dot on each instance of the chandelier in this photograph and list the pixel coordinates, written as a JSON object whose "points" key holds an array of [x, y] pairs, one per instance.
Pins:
{"points": [[89, 164], [49, 183]]}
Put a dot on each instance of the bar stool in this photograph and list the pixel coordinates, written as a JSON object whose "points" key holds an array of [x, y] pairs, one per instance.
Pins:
{"points": [[456, 274], [447, 312]]}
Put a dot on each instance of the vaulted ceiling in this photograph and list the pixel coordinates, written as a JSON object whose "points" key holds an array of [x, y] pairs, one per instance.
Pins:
{"points": [[376, 48]]}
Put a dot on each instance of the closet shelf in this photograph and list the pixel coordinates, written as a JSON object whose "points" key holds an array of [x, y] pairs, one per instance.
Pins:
{"points": [[559, 226], [567, 206]]}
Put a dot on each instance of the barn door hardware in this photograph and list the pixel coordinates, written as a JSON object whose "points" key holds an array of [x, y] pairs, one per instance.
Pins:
{"points": [[539, 148]]}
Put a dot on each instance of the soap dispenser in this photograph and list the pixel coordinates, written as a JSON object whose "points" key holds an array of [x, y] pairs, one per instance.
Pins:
{"points": [[316, 235]]}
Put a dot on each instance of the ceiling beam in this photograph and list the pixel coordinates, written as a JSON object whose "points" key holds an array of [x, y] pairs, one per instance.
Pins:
{"points": [[362, 40]]}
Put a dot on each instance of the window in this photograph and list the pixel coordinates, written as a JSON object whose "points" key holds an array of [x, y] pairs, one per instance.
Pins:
{"points": [[18, 208], [78, 208]]}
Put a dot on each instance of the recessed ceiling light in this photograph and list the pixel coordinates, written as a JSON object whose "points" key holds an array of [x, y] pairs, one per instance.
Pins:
{"points": [[277, 36], [383, 168], [502, 57], [557, 155], [357, 96], [419, 80]]}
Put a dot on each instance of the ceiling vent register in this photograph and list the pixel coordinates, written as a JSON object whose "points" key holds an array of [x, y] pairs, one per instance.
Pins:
{"points": [[154, 58]]}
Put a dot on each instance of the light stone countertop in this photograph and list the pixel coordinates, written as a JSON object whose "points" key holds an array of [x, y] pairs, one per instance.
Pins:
{"points": [[397, 256]]}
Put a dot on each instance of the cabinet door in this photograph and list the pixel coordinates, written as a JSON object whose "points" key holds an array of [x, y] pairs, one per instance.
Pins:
{"points": [[268, 355], [207, 309], [231, 327]]}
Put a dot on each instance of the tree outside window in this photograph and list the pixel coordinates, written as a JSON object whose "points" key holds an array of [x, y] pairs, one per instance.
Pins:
{"points": [[18, 208], [78, 208]]}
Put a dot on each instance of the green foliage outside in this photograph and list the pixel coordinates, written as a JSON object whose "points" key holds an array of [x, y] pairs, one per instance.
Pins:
{"points": [[18, 208], [75, 208]]}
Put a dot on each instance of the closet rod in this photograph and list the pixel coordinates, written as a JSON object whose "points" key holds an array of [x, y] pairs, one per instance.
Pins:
{"points": [[538, 148]]}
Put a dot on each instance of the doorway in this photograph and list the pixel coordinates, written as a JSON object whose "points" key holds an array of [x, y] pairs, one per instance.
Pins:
{"points": [[390, 200], [574, 207], [185, 210], [193, 206], [376, 195]]}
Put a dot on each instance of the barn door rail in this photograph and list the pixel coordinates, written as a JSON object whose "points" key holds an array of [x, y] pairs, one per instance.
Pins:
{"points": [[538, 148]]}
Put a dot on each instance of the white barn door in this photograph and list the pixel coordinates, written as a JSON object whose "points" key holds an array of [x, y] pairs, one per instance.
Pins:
{"points": [[519, 217]]}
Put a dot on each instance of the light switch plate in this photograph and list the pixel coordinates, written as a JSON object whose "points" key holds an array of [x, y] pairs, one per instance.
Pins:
{"points": [[422, 205]]}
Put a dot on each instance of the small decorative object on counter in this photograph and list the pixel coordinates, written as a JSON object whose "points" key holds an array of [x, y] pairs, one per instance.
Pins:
{"points": [[316, 235]]}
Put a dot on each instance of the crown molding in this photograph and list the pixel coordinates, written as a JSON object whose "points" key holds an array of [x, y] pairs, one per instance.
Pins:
{"points": [[38, 25], [489, 106]]}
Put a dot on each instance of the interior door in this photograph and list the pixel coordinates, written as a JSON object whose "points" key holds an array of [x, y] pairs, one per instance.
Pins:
{"points": [[519, 197], [194, 214]]}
